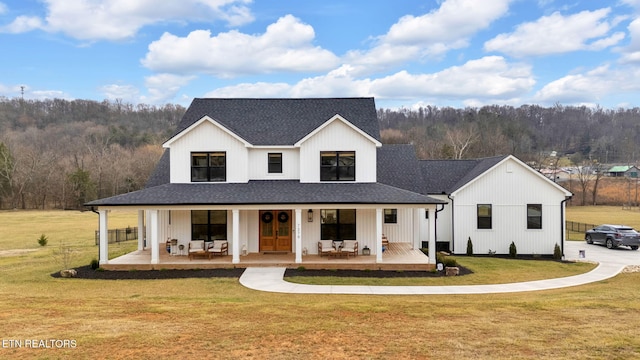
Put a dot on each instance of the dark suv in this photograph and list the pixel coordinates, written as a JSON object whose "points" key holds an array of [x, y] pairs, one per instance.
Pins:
{"points": [[613, 236]]}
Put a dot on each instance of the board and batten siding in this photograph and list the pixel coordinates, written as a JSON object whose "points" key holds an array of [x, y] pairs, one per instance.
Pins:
{"points": [[259, 160], [207, 137], [337, 136], [508, 187]]}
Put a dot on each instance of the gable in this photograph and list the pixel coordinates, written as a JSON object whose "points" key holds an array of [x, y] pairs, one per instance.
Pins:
{"points": [[202, 131], [510, 179], [336, 127], [282, 122]]}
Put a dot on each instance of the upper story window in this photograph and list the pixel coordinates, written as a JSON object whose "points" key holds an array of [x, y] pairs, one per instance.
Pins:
{"points": [[337, 166], [209, 167], [275, 163]]}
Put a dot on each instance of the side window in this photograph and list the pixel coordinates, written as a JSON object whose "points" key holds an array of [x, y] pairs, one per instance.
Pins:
{"points": [[484, 216], [275, 163], [534, 216], [390, 216]]}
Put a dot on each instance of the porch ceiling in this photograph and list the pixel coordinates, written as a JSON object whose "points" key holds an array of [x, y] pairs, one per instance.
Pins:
{"points": [[267, 192]]}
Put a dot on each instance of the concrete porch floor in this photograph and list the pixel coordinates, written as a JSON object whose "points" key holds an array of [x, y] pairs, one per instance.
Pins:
{"points": [[399, 256]]}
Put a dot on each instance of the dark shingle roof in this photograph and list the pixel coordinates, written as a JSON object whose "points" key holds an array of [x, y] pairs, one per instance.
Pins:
{"points": [[447, 176], [162, 173], [267, 192], [281, 121], [399, 166]]}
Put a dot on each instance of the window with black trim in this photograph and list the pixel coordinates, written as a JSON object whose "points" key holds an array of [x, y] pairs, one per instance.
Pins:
{"points": [[534, 216], [209, 167], [390, 216], [337, 166], [484, 216], [275, 163], [338, 224], [209, 225]]}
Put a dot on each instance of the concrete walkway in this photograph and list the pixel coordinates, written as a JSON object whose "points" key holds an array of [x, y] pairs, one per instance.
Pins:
{"points": [[611, 262]]}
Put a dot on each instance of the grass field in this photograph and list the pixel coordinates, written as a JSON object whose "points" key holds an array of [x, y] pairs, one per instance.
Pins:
{"points": [[218, 318]]}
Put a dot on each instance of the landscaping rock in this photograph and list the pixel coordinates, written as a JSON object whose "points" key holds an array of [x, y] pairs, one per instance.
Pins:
{"points": [[451, 271], [69, 273]]}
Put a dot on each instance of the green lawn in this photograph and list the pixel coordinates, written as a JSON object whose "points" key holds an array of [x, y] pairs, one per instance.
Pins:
{"points": [[218, 318]]}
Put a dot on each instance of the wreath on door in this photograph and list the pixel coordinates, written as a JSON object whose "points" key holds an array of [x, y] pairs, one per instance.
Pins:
{"points": [[283, 217], [267, 217]]}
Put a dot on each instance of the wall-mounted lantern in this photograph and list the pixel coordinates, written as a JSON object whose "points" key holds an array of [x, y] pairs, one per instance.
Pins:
{"points": [[310, 215]]}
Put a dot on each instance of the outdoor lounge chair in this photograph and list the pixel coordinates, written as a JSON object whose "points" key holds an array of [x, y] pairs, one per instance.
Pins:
{"points": [[350, 247], [196, 247], [218, 247], [325, 247]]}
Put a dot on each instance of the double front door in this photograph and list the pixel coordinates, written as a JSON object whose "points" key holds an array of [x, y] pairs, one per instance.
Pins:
{"points": [[275, 230]]}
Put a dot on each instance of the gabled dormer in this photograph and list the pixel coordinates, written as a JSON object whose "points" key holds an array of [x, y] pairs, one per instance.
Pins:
{"points": [[338, 151], [310, 140]]}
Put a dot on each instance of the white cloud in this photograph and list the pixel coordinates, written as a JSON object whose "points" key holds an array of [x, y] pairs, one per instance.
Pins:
{"points": [[164, 87], [121, 19], [554, 34], [591, 86], [286, 46], [486, 78], [432, 34], [128, 93]]}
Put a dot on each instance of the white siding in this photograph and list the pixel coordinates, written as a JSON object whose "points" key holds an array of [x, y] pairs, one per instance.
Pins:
{"points": [[207, 137], [508, 188], [258, 164], [403, 231], [338, 136]]}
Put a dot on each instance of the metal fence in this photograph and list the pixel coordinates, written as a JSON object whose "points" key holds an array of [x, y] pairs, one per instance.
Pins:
{"points": [[573, 226], [119, 235]]}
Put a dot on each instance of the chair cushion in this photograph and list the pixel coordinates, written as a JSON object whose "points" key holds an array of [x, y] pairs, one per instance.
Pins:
{"points": [[217, 245], [349, 245], [196, 245], [326, 245]]}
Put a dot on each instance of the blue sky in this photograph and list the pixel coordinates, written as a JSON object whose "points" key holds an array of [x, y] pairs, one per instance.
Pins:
{"points": [[405, 53]]}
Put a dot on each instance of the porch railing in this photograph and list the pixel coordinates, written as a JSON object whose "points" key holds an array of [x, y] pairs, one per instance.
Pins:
{"points": [[119, 235]]}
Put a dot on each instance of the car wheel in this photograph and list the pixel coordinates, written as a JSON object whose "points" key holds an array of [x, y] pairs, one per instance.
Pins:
{"points": [[589, 240], [610, 244], [634, 248]]}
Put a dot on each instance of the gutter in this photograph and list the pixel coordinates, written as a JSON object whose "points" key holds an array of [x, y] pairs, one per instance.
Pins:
{"points": [[562, 224], [435, 223]]}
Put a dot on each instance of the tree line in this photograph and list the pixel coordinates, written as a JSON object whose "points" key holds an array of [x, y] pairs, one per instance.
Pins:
{"points": [[62, 153]]}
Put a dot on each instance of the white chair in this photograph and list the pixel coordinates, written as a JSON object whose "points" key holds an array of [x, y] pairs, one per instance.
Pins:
{"points": [[196, 247], [350, 247], [218, 247], [325, 247]]}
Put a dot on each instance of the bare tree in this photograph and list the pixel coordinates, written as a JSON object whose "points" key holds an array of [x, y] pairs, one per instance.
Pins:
{"points": [[461, 139]]}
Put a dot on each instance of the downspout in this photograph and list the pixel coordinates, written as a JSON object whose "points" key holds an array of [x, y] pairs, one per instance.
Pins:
{"points": [[93, 209], [453, 227], [562, 224], [435, 223]]}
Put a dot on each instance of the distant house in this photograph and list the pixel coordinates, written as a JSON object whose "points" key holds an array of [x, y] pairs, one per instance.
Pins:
{"points": [[556, 175], [278, 175], [629, 171]]}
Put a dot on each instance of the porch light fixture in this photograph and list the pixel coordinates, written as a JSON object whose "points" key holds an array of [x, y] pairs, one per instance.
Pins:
{"points": [[310, 215]]}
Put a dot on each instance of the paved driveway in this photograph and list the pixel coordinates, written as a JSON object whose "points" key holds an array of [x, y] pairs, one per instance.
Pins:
{"points": [[599, 253], [611, 262]]}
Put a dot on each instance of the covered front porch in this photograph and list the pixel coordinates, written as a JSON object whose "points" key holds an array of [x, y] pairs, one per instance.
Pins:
{"points": [[398, 257]]}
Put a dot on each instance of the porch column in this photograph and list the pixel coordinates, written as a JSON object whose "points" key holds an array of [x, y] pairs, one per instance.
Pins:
{"points": [[141, 230], [104, 236], [298, 236], [235, 244], [379, 235], [432, 235], [155, 246]]}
